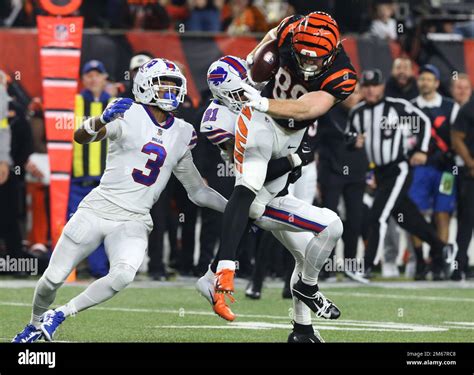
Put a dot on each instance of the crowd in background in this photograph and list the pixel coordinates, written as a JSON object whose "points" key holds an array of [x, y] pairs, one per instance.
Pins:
{"points": [[185, 237]]}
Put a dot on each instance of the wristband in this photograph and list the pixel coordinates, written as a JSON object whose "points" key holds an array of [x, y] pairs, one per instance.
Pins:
{"points": [[87, 126]]}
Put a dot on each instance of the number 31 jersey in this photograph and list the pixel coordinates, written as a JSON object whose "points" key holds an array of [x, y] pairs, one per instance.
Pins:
{"points": [[339, 79], [141, 156]]}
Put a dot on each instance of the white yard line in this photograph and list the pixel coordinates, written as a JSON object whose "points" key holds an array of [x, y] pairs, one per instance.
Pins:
{"points": [[401, 296], [341, 324]]}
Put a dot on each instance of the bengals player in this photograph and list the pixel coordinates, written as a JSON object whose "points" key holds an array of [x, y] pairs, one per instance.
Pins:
{"points": [[314, 74]]}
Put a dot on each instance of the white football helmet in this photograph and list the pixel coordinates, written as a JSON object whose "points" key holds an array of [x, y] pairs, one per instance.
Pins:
{"points": [[224, 79], [149, 89]]}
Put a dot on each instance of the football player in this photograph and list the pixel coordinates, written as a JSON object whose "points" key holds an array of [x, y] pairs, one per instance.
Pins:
{"points": [[314, 74], [291, 220], [146, 144]]}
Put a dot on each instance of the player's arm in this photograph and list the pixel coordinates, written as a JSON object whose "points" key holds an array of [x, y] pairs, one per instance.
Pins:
{"points": [[420, 127], [307, 107], [94, 129], [198, 192], [281, 166]]}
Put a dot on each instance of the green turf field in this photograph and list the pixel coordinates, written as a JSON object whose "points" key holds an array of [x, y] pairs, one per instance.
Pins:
{"points": [[179, 314]]}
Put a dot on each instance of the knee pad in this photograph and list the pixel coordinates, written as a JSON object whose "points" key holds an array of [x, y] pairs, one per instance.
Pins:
{"points": [[335, 229], [45, 286], [121, 276]]}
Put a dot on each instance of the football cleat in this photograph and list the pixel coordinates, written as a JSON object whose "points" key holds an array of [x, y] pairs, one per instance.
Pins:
{"points": [[315, 300], [51, 321], [220, 306], [224, 288], [304, 334], [205, 287], [420, 273], [450, 251], [360, 277], [29, 334], [252, 292]]}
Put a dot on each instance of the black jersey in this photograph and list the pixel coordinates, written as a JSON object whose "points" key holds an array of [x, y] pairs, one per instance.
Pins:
{"points": [[339, 79]]}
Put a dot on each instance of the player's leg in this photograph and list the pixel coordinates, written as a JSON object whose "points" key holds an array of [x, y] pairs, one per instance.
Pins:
{"points": [[421, 193], [253, 150], [302, 328], [325, 229], [81, 235], [125, 246]]}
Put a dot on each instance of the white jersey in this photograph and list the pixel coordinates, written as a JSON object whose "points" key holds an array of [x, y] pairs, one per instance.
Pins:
{"points": [[141, 156], [218, 123]]}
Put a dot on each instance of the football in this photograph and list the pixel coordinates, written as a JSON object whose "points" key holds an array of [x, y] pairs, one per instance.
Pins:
{"points": [[265, 63]]}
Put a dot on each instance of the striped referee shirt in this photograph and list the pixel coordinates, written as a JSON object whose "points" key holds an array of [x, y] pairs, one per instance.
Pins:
{"points": [[392, 128]]}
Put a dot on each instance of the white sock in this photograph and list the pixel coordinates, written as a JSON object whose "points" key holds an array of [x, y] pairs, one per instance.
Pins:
{"points": [[68, 309], [301, 312], [97, 292], [226, 264]]}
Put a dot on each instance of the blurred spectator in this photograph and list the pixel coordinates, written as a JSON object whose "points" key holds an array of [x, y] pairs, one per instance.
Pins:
{"points": [[89, 159], [247, 18], [9, 12], [402, 83], [148, 14], [384, 26], [124, 88], [461, 88], [463, 143], [205, 15], [15, 148], [433, 188]]}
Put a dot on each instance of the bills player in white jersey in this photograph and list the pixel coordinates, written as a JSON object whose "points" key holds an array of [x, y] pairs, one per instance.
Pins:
{"points": [[146, 144], [308, 232]]}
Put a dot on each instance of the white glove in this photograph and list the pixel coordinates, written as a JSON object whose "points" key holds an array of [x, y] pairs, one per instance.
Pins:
{"points": [[256, 100], [249, 60]]}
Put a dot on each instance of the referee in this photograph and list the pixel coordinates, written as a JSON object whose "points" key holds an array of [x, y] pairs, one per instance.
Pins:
{"points": [[386, 126]]}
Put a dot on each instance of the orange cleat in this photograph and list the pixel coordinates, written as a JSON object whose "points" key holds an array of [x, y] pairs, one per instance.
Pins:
{"points": [[220, 307], [224, 287]]}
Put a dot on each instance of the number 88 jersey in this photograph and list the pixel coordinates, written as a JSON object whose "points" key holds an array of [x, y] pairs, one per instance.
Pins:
{"points": [[339, 79]]}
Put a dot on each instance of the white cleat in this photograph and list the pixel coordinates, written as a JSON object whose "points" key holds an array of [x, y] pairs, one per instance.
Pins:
{"points": [[205, 287]]}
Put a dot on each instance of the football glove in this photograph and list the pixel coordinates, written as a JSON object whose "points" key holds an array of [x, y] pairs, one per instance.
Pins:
{"points": [[256, 100], [115, 109]]}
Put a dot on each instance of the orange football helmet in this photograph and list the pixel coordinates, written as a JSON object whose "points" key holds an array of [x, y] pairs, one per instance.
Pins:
{"points": [[315, 43]]}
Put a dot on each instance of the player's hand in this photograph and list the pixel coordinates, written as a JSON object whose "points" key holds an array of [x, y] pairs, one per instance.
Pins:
{"points": [[256, 100], [33, 169], [294, 175], [115, 109], [4, 172], [305, 153], [360, 139], [418, 158]]}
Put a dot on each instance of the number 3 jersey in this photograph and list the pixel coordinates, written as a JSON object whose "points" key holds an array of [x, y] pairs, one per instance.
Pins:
{"points": [[141, 156], [339, 79]]}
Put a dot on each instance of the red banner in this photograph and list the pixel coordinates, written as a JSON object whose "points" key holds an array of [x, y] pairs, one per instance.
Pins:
{"points": [[60, 40]]}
